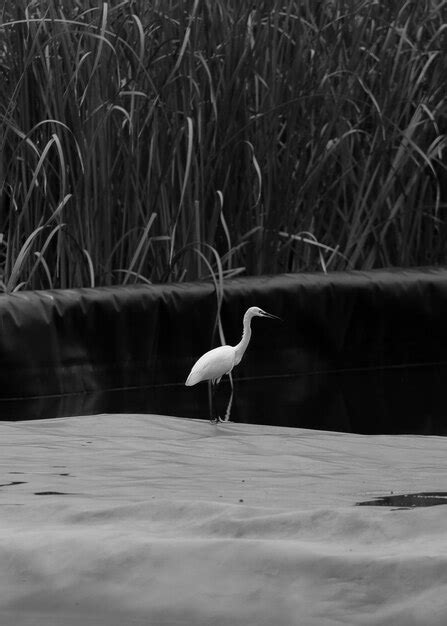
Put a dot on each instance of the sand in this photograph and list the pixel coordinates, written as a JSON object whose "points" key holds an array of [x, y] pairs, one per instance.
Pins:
{"points": [[144, 519]]}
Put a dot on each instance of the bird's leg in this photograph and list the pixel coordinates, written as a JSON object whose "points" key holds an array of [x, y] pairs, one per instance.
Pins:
{"points": [[214, 417], [230, 402]]}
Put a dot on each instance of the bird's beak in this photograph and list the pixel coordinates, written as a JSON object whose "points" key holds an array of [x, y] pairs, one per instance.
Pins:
{"points": [[270, 316]]}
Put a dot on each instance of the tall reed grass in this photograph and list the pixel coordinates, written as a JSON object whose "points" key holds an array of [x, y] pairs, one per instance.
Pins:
{"points": [[156, 140]]}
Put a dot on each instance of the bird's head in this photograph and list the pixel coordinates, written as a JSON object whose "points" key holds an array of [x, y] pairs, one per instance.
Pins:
{"points": [[255, 311]]}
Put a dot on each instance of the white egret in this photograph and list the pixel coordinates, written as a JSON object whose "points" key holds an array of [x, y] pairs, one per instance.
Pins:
{"points": [[220, 361]]}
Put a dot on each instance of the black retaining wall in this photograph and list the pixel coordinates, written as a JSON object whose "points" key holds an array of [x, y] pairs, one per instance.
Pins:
{"points": [[354, 349]]}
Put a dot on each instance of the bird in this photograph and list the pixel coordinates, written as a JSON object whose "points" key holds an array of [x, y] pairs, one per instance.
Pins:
{"points": [[220, 361]]}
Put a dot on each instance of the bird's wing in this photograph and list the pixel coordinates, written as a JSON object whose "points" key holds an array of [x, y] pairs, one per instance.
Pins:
{"points": [[212, 365]]}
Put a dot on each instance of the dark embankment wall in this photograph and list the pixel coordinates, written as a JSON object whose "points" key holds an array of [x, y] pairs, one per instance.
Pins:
{"points": [[353, 348]]}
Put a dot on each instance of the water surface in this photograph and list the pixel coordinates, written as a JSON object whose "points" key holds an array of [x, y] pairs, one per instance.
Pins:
{"points": [[388, 401]]}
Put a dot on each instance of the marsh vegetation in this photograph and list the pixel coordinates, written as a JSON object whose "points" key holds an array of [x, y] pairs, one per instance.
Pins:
{"points": [[174, 140]]}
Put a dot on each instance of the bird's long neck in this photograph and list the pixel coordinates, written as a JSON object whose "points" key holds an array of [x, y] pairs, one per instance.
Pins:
{"points": [[246, 334]]}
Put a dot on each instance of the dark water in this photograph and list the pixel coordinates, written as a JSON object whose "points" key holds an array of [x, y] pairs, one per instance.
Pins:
{"points": [[389, 401], [409, 500]]}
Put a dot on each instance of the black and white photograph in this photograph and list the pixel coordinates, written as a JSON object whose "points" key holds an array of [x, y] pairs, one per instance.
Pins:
{"points": [[223, 312]]}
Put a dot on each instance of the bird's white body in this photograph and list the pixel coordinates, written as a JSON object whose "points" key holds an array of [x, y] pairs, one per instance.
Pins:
{"points": [[220, 361], [213, 365]]}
